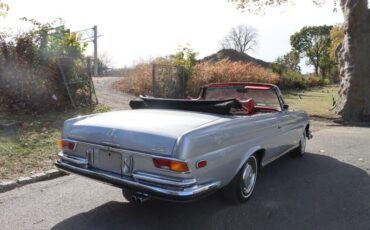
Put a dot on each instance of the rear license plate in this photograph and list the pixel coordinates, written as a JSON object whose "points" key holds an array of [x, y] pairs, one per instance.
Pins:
{"points": [[108, 161]]}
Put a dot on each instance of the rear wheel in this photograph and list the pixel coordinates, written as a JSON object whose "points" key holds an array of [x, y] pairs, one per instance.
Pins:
{"points": [[242, 186]]}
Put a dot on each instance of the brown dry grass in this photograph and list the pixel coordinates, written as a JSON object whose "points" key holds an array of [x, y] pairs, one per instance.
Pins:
{"points": [[139, 80], [226, 71]]}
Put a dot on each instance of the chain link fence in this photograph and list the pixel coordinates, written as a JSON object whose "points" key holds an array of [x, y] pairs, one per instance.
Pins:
{"points": [[78, 82], [168, 81]]}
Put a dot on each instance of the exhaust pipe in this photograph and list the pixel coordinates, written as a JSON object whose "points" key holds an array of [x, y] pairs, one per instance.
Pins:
{"points": [[142, 199], [139, 198]]}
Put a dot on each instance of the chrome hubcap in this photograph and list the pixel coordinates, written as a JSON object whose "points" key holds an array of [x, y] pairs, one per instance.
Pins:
{"points": [[249, 177]]}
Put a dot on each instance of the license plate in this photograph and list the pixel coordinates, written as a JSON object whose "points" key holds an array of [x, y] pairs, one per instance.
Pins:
{"points": [[108, 161]]}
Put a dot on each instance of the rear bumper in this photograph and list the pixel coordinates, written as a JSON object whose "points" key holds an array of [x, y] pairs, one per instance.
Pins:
{"points": [[184, 190]]}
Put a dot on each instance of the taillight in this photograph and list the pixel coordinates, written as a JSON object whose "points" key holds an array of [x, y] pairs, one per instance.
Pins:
{"points": [[172, 165], [66, 144]]}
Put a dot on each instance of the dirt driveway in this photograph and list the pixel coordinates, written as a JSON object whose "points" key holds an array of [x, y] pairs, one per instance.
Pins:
{"points": [[106, 95]]}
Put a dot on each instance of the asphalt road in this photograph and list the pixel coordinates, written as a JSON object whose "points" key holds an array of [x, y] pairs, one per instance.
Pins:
{"points": [[329, 188]]}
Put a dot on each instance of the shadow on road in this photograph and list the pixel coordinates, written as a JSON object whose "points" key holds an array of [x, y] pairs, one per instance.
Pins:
{"points": [[314, 192]]}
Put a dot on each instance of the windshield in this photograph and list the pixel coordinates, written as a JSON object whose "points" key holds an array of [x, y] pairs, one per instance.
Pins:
{"points": [[261, 96]]}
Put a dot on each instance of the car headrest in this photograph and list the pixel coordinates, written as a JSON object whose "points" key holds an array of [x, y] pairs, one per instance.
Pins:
{"points": [[249, 104]]}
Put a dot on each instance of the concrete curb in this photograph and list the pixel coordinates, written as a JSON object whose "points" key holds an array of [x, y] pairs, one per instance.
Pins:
{"points": [[47, 175], [7, 186]]}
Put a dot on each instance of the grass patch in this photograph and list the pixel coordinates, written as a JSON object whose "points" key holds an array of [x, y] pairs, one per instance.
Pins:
{"points": [[316, 101], [32, 147]]}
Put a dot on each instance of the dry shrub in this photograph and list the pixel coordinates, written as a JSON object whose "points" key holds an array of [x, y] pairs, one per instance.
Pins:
{"points": [[32, 90], [314, 81], [226, 71], [138, 81], [30, 78]]}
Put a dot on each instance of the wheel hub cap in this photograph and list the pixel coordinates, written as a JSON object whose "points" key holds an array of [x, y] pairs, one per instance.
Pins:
{"points": [[249, 179]]}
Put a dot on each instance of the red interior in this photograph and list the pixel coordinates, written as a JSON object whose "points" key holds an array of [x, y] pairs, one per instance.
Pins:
{"points": [[250, 106]]}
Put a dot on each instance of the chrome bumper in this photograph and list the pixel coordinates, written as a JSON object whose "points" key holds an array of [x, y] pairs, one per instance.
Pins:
{"points": [[153, 185]]}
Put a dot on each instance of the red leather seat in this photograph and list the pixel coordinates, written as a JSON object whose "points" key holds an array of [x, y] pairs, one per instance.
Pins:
{"points": [[249, 104]]}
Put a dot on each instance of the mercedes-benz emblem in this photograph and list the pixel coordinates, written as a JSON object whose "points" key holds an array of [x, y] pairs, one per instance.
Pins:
{"points": [[110, 133]]}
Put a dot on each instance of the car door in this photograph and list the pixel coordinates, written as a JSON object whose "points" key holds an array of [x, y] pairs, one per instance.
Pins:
{"points": [[287, 121], [287, 127]]}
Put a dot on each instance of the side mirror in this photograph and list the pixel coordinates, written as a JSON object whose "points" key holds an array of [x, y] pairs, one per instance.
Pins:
{"points": [[285, 107]]}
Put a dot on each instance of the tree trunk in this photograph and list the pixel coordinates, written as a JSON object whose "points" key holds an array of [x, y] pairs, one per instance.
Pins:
{"points": [[316, 70], [354, 101]]}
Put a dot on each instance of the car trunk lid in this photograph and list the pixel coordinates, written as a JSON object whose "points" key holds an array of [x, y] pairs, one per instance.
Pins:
{"points": [[145, 130]]}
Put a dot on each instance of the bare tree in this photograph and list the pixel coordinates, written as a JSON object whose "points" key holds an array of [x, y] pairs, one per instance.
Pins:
{"points": [[104, 62], [242, 38]]}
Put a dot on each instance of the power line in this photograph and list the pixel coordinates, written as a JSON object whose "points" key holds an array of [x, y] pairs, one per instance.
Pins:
{"points": [[90, 39], [77, 31], [91, 35]]}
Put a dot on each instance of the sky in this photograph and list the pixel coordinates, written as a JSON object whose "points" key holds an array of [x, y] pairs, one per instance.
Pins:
{"points": [[138, 30]]}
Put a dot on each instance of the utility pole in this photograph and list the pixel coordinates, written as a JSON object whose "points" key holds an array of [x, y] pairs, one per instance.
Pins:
{"points": [[95, 28]]}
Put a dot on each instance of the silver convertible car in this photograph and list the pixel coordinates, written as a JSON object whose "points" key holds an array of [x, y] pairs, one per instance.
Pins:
{"points": [[182, 150]]}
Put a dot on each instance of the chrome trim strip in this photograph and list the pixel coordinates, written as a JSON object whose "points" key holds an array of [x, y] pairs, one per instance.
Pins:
{"points": [[111, 144], [278, 156], [160, 180], [149, 155], [185, 193], [115, 149], [73, 159]]}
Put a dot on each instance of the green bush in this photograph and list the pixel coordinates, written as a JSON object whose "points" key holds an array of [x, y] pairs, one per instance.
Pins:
{"points": [[314, 81], [292, 80]]}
